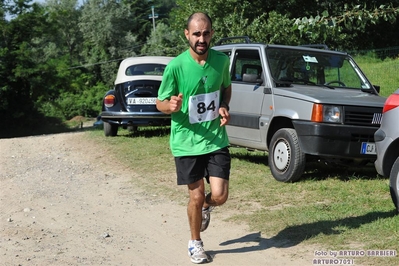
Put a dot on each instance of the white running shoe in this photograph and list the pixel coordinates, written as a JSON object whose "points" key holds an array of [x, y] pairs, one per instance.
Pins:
{"points": [[196, 252], [206, 218]]}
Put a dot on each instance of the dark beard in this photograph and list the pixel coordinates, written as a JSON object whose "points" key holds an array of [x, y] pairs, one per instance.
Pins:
{"points": [[194, 48]]}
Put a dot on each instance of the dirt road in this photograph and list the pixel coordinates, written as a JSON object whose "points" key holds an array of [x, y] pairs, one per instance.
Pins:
{"points": [[61, 203]]}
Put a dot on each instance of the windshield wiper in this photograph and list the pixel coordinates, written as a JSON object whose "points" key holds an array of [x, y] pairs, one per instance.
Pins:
{"points": [[295, 80], [287, 82], [305, 81], [283, 82], [327, 86]]}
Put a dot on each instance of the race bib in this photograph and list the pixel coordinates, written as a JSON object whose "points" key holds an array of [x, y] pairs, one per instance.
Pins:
{"points": [[203, 107]]}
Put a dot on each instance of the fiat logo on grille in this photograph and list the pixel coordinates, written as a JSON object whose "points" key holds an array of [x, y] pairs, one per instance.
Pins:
{"points": [[377, 117]]}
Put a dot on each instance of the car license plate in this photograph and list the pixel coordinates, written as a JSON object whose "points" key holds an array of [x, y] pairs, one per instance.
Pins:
{"points": [[368, 148], [134, 101]]}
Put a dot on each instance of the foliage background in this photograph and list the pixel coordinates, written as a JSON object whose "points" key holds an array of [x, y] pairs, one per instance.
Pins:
{"points": [[59, 57]]}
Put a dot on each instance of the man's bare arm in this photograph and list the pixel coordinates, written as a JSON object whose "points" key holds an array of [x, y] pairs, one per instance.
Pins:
{"points": [[226, 95], [224, 106]]}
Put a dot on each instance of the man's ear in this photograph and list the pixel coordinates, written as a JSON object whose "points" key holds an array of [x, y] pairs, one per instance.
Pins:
{"points": [[186, 33]]}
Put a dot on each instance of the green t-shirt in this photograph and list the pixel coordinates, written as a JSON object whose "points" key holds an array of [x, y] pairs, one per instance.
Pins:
{"points": [[195, 129]]}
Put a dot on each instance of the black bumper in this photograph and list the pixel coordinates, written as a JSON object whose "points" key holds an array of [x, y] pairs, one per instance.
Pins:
{"points": [[334, 141], [136, 118]]}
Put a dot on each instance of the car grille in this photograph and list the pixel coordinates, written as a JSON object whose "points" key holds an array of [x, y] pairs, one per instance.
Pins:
{"points": [[363, 116]]}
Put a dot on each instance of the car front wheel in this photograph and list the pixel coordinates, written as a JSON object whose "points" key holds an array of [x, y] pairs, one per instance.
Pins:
{"points": [[394, 184], [110, 130], [286, 159]]}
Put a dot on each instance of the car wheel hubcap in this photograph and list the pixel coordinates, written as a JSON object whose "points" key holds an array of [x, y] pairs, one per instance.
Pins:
{"points": [[282, 155]]}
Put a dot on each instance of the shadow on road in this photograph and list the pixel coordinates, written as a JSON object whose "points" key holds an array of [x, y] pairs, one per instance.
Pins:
{"points": [[293, 235]]}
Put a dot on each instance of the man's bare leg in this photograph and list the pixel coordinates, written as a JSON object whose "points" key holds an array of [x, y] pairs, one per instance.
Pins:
{"points": [[196, 193], [219, 192]]}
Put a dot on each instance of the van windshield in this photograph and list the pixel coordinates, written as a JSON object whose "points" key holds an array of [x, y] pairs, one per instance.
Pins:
{"points": [[309, 67]]}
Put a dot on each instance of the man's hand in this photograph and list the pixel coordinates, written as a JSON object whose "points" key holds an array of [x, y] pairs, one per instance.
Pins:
{"points": [[175, 103], [170, 106], [225, 116]]}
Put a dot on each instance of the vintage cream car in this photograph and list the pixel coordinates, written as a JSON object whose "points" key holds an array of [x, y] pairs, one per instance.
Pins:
{"points": [[131, 103]]}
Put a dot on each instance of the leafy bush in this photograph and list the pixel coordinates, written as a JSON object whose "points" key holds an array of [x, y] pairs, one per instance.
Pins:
{"points": [[87, 103]]}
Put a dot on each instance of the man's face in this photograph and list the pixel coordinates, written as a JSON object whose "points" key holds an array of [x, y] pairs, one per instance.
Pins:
{"points": [[199, 35]]}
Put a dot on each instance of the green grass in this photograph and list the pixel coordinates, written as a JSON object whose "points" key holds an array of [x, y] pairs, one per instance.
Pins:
{"points": [[332, 208], [381, 72]]}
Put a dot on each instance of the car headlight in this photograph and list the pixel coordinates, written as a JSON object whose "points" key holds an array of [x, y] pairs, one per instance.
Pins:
{"points": [[327, 113], [332, 114]]}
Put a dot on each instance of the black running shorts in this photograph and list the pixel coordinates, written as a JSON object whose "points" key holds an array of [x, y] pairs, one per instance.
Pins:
{"points": [[190, 169]]}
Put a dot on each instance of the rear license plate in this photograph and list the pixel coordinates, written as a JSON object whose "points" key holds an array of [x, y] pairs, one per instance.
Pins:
{"points": [[140, 101], [368, 148]]}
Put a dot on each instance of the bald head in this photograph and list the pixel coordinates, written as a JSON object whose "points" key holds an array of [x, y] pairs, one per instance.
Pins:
{"points": [[199, 16]]}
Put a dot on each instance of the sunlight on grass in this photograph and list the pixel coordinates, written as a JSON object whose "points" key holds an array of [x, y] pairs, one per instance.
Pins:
{"points": [[381, 72]]}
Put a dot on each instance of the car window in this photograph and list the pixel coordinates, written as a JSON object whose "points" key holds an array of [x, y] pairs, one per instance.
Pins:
{"points": [[145, 69], [228, 53], [304, 67], [247, 66]]}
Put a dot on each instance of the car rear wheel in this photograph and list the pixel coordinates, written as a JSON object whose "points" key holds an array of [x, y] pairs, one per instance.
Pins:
{"points": [[110, 130], [286, 159], [394, 184]]}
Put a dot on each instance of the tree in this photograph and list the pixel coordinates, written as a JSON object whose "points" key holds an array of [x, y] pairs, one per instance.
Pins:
{"points": [[64, 16], [104, 26], [120, 31], [238, 18], [22, 76], [355, 20], [59, 49], [164, 42], [298, 21]]}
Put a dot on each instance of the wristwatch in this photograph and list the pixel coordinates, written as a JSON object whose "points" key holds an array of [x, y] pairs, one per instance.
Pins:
{"points": [[225, 105]]}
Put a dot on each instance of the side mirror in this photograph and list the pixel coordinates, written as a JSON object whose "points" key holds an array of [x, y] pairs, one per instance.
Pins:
{"points": [[377, 88]]}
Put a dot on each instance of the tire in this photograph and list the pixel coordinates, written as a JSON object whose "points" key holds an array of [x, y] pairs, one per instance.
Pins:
{"points": [[394, 184], [286, 159], [110, 130]]}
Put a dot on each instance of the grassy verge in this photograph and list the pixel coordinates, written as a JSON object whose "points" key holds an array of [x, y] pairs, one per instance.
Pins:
{"points": [[332, 208], [381, 72]]}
